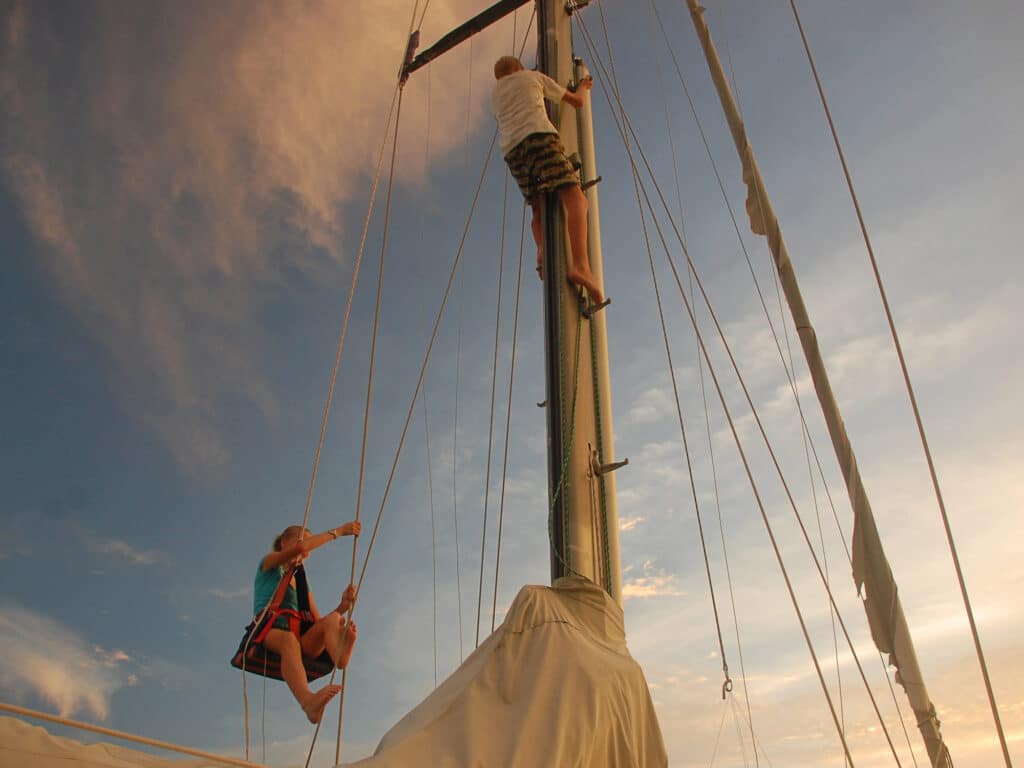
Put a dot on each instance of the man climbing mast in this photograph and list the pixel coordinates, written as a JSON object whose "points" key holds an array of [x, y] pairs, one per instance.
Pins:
{"points": [[536, 157]]}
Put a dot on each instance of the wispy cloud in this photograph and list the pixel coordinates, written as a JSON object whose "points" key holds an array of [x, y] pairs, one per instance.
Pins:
{"points": [[200, 181], [44, 658], [123, 550], [233, 594], [629, 523]]}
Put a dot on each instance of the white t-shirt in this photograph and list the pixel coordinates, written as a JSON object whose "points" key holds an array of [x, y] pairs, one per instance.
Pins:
{"points": [[519, 105]]}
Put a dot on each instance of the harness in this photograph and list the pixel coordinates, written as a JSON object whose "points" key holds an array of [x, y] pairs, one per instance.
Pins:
{"points": [[253, 656]]}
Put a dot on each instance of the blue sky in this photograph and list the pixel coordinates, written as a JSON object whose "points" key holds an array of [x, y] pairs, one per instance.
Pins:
{"points": [[183, 189]]}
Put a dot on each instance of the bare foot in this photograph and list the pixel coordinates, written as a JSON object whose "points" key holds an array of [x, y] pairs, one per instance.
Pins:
{"points": [[540, 265], [314, 707], [348, 643], [587, 281]]}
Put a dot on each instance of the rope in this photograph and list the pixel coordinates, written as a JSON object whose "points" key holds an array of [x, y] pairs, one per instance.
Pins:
{"points": [[426, 421], [910, 393], [508, 415], [718, 736], [25, 712], [515, 331], [703, 389], [426, 358], [490, 421], [366, 416], [727, 685], [458, 374]]}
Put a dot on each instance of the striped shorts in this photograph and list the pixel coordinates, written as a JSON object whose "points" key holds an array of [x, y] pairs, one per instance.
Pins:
{"points": [[539, 164]]}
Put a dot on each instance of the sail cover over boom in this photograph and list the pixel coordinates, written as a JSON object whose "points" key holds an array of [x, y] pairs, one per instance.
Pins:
{"points": [[553, 685]]}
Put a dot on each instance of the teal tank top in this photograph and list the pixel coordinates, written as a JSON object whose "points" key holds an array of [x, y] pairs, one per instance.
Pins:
{"points": [[266, 583]]}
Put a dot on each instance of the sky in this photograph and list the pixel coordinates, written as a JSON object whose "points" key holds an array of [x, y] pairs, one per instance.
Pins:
{"points": [[183, 188]]}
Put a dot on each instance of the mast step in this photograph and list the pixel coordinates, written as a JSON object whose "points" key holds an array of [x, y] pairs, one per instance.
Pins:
{"points": [[592, 183], [603, 469], [589, 310]]}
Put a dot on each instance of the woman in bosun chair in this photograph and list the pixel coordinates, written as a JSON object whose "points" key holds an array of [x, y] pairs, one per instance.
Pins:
{"points": [[287, 637]]}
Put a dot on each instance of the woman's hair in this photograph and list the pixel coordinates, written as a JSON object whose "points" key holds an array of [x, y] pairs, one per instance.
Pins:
{"points": [[506, 65], [291, 530]]}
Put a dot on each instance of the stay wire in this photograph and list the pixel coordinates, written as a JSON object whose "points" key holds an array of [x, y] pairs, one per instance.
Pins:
{"points": [[424, 403], [805, 429], [727, 684], [512, 367], [508, 416], [426, 358], [366, 426], [490, 419], [910, 393], [334, 371], [704, 401], [623, 132]]}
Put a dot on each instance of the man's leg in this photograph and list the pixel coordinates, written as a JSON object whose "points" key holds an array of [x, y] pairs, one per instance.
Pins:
{"points": [[286, 645], [579, 272]]}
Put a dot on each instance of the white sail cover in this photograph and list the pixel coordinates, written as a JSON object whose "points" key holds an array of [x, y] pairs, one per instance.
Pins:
{"points": [[553, 686], [23, 745]]}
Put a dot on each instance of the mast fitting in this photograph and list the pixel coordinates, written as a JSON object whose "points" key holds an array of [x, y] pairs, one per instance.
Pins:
{"points": [[602, 469]]}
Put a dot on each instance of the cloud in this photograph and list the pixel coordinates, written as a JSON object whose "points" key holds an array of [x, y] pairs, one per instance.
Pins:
{"points": [[123, 549], [45, 658], [629, 523], [234, 594], [187, 166]]}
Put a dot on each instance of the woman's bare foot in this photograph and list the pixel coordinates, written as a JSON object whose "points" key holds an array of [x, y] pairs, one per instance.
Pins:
{"points": [[314, 707], [348, 643], [587, 281]]}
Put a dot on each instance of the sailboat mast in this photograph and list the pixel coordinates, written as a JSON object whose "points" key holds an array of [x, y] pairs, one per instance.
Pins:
{"points": [[870, 567], [581, 485]]}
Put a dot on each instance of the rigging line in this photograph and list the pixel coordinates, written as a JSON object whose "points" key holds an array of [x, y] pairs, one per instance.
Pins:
{"points": [[718, 736], [425, 408], [366, 419], [739, 736], [512, 369], [426, 358], [736, 227], [628, 124], [508, 415], [455, 459], [369, 400], [423, 15], [842, 537], [348, 307], [263, 718], [787, 368], [910, 392], [704, 400], [805, 435], [490, 422], [623, 133], [727, 685], [728, 55]]}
